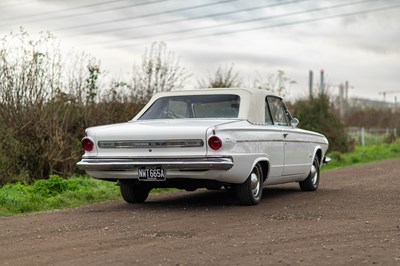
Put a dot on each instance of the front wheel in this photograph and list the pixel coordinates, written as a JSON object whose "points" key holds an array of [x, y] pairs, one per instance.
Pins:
{"points": [[250, 192], [312, 181], [134, 194]]}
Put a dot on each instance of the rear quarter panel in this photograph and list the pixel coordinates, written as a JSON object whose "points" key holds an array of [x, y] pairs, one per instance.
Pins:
{"points": [[248, 144]]}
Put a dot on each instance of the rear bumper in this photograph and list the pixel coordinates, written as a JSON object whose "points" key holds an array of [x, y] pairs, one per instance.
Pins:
{"points": [[109, 164]]}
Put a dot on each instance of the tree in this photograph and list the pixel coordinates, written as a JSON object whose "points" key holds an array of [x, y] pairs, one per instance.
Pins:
{"points": [[159, 71], [318, 114], [224, 77], [276, 83], [91, 83]]}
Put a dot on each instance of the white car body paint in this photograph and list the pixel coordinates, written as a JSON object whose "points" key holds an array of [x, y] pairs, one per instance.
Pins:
{"points": [[180, 145]]}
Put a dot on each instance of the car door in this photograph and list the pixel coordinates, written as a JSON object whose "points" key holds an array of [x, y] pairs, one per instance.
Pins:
{"points": [[295, 144], [273, 146]]}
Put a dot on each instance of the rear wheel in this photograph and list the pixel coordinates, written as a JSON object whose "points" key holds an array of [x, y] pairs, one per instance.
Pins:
{"points": [[250, 192], [134, 194], [312, 181]]}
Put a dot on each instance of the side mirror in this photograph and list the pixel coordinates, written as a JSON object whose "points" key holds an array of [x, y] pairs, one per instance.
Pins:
{"points": [[294, 122]]}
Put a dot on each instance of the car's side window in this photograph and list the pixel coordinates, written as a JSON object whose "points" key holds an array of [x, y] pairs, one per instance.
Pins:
{"points": [[278, 112], [268, 118]]}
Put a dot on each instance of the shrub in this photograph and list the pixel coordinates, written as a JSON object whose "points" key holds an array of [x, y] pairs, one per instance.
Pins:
{"points": [[336, 156], [46, 104], [391, 138], [318, 114]]}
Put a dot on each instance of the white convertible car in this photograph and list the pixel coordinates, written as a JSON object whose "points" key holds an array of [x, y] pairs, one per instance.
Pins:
{"points": [[237, 139]]}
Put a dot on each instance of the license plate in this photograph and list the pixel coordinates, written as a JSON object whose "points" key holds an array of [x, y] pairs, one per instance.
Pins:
{"points": [[147, 173]]}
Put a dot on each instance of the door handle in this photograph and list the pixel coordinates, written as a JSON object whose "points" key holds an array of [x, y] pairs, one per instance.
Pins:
{"points": [[285, 135]]}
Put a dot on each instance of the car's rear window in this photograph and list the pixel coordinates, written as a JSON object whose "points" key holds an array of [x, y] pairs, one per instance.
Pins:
{"points": [[194, 106]]}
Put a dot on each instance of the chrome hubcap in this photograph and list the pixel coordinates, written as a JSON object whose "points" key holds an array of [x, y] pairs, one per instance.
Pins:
{"points": [[255, 184], [314, 175]]}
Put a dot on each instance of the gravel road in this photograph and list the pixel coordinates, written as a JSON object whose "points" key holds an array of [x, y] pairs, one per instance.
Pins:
{"points": [[353, 219]]}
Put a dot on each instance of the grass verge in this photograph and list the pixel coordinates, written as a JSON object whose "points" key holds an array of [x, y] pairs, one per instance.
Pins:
{"points": [[58, 193], [364, 154], [54, 193]]}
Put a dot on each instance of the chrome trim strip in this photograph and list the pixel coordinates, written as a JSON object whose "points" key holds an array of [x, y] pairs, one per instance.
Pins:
{"points": [[282, 140], [129, 144], [316, 142], [257, 140], [209, 163]]}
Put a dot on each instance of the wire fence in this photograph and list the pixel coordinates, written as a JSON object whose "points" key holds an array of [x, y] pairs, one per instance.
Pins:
{"points": [[370, 136]]}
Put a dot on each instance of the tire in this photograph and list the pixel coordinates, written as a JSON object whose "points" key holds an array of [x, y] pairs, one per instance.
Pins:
{"points": [[134, 194], [250, 192], [312, 181]]}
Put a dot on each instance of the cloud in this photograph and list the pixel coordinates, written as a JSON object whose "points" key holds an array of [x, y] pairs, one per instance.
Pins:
{"points": [[362, 48]]}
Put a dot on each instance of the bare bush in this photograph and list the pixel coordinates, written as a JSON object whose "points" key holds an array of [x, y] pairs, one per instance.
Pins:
{"points": [[372, 118], [30, 74], [159, 70], [46, 104], [277, 83], [224, 77]]}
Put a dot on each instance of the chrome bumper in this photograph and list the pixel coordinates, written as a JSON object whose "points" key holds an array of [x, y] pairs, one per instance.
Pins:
{"points": [[326, 160], [210, 163]]}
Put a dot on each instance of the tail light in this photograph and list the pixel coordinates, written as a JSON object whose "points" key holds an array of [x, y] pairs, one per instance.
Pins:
{"points": [[215, 143], [87, 144]]}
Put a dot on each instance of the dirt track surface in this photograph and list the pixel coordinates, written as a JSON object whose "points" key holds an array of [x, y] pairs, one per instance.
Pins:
{"points": [[353, 219]]}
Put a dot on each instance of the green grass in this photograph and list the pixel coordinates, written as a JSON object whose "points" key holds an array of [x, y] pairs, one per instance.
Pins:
{"points": [[363, 155], [374, 139], [58, 193], [54, 193]]}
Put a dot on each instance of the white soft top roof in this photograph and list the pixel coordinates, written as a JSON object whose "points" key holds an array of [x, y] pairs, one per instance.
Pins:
{"points": [[252, 101]]}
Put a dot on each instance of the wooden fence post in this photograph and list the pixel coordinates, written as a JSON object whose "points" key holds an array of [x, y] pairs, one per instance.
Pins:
{"points": [[362, 136]]}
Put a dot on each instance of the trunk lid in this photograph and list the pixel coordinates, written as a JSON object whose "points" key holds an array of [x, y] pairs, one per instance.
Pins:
{"points": [[153, 138]]}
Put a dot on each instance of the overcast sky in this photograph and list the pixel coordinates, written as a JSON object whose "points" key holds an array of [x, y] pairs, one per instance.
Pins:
{"points": [[354, 40]]}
